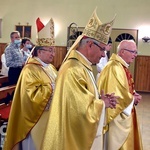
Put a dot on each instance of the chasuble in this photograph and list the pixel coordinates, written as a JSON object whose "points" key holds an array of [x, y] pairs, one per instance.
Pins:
{"points": [[75, 110], [121, 127]]}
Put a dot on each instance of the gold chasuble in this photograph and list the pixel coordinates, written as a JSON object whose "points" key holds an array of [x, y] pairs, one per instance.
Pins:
{"points": [[75, 111], [121, 130], [30, 105]]}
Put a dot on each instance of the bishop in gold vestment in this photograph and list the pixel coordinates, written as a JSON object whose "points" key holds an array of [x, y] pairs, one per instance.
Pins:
{"points": [[30, 106], [33, 94], [75, 111], [121, 129]]}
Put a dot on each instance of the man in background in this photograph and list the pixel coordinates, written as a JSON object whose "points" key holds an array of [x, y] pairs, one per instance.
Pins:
{"points": [[26, 46], [121, 126], [14, 57], [103, 61]]}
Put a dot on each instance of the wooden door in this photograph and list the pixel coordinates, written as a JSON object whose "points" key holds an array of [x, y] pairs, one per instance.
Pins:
{"points": [[142, 71], [60, 53]]}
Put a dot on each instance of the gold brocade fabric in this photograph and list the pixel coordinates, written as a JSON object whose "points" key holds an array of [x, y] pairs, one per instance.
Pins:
{"points": [[75, 111], [134, 141], [31, 97], [113, 79], [121, 131]]}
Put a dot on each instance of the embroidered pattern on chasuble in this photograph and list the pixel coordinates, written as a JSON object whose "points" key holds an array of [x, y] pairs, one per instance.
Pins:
{"points": [[52, 76], [50, 73], [130, 80]]}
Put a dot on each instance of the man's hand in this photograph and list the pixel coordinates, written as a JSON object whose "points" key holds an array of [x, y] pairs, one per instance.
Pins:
{"points": [[137, 98], [109, 99]]}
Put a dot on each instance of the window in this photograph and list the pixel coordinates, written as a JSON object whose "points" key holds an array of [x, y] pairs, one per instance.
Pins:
{"points": [[25, 30]]}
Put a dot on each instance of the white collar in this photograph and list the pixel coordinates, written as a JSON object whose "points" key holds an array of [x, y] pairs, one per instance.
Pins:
{"points": [[84, 58], [124, 61], [43, 63]]}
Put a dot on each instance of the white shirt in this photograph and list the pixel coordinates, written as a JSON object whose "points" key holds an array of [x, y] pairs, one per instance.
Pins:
{"points": [[5, 69], [102, 63]]}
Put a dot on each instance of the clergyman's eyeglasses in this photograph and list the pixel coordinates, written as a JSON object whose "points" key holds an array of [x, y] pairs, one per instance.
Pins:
{"points": [[131, 51], [101, 48]]}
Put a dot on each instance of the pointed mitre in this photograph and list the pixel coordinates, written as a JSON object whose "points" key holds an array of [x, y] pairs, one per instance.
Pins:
{"points": [[97, 30], [94, 29], [45, 33]]}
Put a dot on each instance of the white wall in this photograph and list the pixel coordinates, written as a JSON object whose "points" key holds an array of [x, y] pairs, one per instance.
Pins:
{"points": [[131, 14]]}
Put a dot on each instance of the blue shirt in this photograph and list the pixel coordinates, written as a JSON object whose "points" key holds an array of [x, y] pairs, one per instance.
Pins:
{"points": [[14, 57]]}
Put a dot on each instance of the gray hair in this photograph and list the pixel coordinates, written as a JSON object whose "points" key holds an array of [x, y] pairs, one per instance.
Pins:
{"points": [[124, 44], [35, 53], [85, 40], [14, 32]]}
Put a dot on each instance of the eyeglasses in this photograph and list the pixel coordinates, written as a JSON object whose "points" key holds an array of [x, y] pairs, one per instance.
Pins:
{"points": [[131, 51], [51, 50], [101, 48]]}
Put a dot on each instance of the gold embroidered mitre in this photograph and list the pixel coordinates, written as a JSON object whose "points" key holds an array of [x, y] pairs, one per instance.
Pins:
{"points": [[45, 33], [98, 31], [94, 29]]}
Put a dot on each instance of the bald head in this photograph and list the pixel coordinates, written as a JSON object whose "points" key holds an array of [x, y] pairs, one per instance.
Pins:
{"points": [[127, 50], [126, 44]]}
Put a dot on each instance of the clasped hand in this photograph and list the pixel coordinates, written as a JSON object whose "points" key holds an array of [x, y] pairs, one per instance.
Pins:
{"points": [[109, 99]]}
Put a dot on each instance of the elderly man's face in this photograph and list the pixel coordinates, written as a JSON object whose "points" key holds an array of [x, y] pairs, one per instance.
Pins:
{"points": [[129, 53], [47, 54], [96, 52]]}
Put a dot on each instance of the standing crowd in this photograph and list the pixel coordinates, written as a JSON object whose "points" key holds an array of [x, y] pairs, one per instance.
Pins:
{"points": [[68, 109]]}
